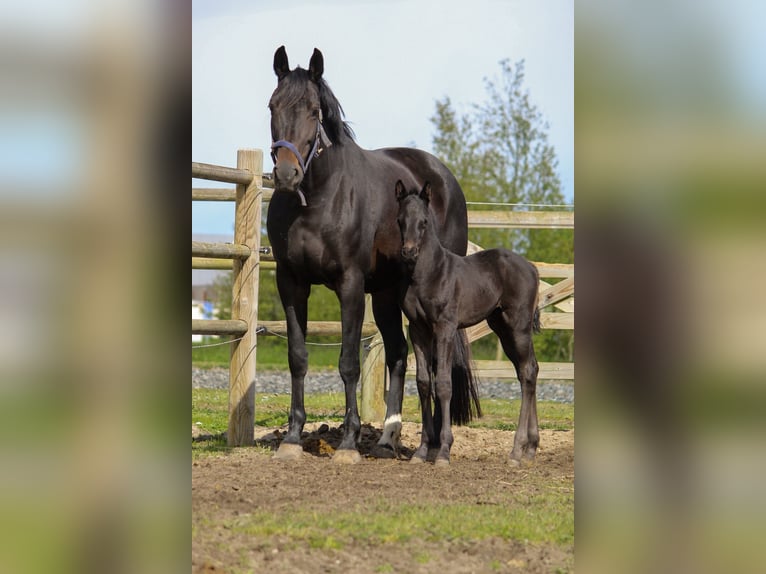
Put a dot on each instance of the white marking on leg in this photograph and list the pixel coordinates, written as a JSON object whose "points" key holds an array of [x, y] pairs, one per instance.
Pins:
{"points": [[392, 430], [392, 420]]}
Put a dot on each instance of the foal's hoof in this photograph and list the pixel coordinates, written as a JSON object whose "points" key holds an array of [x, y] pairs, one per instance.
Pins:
{"points": [[441, 463], [289, 451], [521, 461], [417, 460], [382, 451], [346, 456]]}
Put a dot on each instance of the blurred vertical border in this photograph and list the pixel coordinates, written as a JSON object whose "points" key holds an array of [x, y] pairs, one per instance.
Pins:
{"points": [[670, 103], [94, 357]]}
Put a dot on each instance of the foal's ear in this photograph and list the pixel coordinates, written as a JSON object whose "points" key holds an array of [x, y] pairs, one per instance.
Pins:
{"points": [[425, 193], [316, 65], [281, 66], [400, 191]]}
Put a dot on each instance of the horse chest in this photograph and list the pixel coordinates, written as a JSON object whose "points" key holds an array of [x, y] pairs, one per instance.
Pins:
{"points": [[419, 307], [307, 251]]}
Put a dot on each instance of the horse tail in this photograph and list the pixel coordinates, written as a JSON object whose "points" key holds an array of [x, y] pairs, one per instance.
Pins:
{"points": [[464, 405], [536, 316]]}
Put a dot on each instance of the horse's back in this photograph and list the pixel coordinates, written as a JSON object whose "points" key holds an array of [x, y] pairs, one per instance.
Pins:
{"points": [[513, 271]]}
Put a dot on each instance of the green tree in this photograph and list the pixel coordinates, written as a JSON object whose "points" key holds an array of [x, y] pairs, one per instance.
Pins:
{"points": [[499, 152]]}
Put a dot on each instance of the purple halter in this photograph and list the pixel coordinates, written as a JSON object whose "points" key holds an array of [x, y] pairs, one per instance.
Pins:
{"points": [[320, 138]]}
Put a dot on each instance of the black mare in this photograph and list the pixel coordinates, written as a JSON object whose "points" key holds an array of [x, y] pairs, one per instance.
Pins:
{"points": [[332, 221], [441, 293]]}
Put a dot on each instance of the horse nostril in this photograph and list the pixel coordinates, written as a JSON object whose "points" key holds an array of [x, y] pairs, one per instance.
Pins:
{"points": [[286, 175]]}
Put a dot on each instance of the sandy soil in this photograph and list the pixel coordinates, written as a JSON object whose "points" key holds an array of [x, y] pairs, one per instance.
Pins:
{"points": [[227, 486]]}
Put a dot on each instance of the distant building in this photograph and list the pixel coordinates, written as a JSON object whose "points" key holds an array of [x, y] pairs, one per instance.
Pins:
{"points": [[202, 283]]}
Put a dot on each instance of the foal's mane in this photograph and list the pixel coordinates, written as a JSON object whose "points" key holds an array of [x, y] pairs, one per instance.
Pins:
{"points": [[293, 87]]}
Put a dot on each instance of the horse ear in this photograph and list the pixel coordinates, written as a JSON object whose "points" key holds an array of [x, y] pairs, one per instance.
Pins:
{"points": [[281, 66], [425, 193], [316, 65], [399, 190]]}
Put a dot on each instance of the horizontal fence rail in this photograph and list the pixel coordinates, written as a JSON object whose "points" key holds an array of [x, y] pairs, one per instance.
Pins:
{"points": [[521, 219], [219, 327], [220, 250], [223, 194], [315, 328], [220, 173], [278, 328], [214, 194], [505, 370], [546, 270]]}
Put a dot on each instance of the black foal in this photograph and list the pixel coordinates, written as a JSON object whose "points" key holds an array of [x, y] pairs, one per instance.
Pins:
{"points": [[442, 292]]}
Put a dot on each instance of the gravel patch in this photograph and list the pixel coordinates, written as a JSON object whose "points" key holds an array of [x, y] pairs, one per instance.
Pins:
{"points": [[278, 383]]}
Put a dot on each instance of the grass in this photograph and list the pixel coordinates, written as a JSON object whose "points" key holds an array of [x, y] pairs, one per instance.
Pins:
{"points": [[210, 410], [272, 353], [392, 523]]}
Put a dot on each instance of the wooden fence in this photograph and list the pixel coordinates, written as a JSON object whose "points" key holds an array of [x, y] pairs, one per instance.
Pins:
{"points": [[246, 258]]}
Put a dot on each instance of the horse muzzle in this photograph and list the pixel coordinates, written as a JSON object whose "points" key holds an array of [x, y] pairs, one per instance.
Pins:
{"points": [[409, 254], [287, 176]]}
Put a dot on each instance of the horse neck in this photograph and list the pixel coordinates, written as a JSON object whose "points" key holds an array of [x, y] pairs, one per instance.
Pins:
{"points": [[432, 252], [330, 162]]}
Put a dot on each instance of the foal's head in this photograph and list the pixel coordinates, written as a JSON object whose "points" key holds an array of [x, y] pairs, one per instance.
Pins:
{"points": [[413, 219]]}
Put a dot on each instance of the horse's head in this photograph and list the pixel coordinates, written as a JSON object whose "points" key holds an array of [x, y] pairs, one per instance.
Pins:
{"points": [[413, 219], [296, 119]]}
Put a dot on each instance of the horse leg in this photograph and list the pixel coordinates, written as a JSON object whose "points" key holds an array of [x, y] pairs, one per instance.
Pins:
{"points": [[421, 344], [388, 317], [294, 296], [350, 293], [516, 339], [444, 336]]}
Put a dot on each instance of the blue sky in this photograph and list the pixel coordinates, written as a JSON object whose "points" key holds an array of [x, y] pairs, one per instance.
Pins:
{"points": [[387, 62]]}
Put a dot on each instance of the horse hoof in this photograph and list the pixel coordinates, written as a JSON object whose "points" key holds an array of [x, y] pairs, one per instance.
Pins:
{"points": [[346, 456], [524, 461], [417, 460], [382, 451], [441, 463], [289, 451]]}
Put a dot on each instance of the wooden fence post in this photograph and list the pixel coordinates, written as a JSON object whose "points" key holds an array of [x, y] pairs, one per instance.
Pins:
{"points": [[247, 231], [373, 408]]}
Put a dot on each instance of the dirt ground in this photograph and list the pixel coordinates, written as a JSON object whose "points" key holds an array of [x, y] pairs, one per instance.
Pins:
{"points": [[227, 486]]}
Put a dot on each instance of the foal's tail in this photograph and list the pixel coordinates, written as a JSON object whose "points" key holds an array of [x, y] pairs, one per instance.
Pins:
{"points": [[536, 316], [464, 405], [536, 312]]}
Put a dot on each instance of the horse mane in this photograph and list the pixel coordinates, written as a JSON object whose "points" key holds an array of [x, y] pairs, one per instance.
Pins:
{"points": [[337, 129], [293, 87]]}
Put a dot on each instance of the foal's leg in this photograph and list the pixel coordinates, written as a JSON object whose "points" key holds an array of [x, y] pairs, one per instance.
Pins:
{"points": [[515, 335], [294, 296], [444, 338], [350, 293], [421, 343], [388, 317]]}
